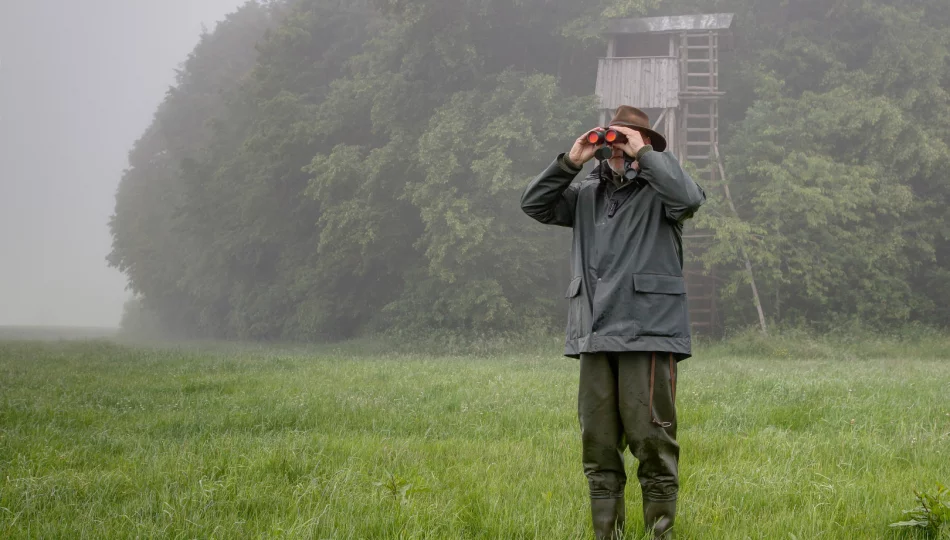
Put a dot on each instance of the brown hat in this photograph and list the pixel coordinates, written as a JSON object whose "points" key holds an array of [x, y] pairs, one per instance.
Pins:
{"points": [[633, 117]]}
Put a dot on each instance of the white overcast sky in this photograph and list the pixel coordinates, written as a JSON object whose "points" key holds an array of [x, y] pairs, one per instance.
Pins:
{"points": [[79, 82]]}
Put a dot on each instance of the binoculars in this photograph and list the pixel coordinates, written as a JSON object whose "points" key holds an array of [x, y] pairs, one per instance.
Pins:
{"points": [[606, 136]]}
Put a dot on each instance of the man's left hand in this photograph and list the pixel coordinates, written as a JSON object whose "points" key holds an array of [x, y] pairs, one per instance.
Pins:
{"points": [[634, 140]]}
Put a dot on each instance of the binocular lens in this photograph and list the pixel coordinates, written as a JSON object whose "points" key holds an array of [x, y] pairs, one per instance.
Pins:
{"points": [[610, 136]]}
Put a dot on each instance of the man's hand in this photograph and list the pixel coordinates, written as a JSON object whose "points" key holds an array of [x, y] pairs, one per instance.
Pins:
{"points": [[582, 151], [634, 141]]}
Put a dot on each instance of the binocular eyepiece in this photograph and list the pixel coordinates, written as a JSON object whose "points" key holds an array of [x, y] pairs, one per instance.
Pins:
{"points": [[606, 136]]}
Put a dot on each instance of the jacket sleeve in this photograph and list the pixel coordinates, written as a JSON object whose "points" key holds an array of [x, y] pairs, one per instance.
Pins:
{"points": [[550, 198], [681, 196]]}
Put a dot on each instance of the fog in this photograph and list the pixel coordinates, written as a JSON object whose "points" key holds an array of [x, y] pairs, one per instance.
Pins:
{"points": [[79, 82]]}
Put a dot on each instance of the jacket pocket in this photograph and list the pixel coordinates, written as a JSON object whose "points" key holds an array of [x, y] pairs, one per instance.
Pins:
{"points": [[659, 303], [574, 313]]}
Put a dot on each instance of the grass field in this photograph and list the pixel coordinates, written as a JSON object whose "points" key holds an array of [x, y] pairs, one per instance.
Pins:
{"points": [[100, 440]]}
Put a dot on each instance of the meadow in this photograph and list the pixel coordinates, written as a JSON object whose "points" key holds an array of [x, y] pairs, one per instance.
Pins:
{"points": [[788, 439]]}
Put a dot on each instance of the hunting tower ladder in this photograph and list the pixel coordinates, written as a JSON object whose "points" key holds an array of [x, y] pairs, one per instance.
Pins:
{"points": [[669, 67]]}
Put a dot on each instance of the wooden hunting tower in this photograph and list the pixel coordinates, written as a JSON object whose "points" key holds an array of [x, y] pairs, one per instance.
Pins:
{"points": [[669, 67]]}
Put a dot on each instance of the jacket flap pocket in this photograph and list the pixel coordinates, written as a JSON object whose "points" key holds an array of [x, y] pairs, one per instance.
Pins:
{"points": [[574, 287], [659, 283]]}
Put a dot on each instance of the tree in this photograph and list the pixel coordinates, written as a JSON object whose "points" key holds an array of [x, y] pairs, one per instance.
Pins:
{"points": [[146, 246], [327, 168], [836, 162]]}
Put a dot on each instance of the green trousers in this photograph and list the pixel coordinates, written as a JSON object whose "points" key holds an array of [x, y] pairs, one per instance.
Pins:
{"points": [[615, 409]]}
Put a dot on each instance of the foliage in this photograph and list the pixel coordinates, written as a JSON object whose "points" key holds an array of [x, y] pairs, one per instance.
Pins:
{"points": [[932, 513], [324, 169], [476, 155], [147, 242], [835, 159]]}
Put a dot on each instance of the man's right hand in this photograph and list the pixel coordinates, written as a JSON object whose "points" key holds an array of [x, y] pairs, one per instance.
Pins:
{"points": [[582, 151]]}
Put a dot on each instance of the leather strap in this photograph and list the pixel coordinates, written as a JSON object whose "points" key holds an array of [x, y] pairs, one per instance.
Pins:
{"points": [[673, 376]]}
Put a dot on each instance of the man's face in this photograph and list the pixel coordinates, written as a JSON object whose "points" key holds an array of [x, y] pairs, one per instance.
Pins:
{"points": [[616, 161]]}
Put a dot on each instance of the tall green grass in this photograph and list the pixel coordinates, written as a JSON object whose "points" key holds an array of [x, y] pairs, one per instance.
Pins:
{"points": [[791, 437]]}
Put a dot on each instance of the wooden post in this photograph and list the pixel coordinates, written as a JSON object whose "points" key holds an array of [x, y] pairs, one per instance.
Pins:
{"points": [[682, 133], [611, 52], [671, 132], [660, 119], [663, 119], [748, 263]]}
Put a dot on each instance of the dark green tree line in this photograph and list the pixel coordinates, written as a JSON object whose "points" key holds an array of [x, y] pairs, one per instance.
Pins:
{"points": [[837, 155], [325, 168]]}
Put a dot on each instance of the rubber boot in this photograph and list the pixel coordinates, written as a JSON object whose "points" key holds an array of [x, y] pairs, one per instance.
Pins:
{"points": [[658, 517], [609, 516]]}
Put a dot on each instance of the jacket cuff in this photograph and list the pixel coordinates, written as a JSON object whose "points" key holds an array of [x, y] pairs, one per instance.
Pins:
{"points": [[567, 165], [644, 150]]}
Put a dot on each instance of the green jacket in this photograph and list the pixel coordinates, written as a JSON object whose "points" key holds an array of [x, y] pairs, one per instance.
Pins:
{"points": [[628, 292]]}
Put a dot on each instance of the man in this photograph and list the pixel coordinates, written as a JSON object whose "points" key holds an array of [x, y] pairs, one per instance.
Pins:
{"points": [[628, 321]]}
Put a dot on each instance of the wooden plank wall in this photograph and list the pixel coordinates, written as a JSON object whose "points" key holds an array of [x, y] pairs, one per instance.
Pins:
{"points": [[648, 83]]}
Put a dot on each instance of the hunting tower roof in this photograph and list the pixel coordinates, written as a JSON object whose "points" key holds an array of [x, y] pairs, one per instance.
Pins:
{"points": [[677, 23]]}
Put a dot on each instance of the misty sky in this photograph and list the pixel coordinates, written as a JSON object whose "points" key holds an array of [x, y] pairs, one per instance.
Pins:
{"points": [[79, 82]]}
